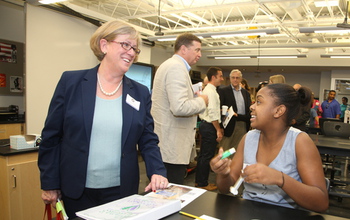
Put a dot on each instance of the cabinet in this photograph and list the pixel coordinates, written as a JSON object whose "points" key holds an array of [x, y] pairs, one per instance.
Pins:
{"points": [[6, 130], [20, 193]]}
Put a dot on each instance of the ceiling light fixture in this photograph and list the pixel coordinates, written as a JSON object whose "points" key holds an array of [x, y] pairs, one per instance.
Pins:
{"points": [[335, 56], [238, 35], [222, 57], [50, 1], [167, 39], [251, 32], [231, 57], [327, 29]]}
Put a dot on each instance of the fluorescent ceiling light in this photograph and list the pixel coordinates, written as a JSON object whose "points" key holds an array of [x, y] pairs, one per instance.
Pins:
{"points": [[328, 29], [239, 35], [230, 58], [282, 56], [277, 57], [251, 32], [335, 56], [50, 1], [167, 39], [222, 57], [333, 31], [340, 56], [326, 3]]}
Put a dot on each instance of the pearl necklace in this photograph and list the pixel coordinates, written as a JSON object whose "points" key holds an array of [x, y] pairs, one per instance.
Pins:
{"points": [[108, 93]]}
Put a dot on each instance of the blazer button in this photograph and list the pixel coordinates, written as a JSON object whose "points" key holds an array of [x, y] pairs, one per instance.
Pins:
{"points": [[123, 155]]}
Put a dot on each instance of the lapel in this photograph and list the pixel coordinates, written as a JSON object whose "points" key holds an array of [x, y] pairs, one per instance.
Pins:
{"points": [[232, 98], [183, 65], [89, 98], [128, 111]]}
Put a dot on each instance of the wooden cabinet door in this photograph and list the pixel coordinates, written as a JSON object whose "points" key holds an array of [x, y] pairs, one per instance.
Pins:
{"points": [[25, 192]]}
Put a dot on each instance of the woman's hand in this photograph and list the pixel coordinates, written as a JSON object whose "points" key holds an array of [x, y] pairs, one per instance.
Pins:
{"points": [[220, 166], [260, 173], [157, 182]]}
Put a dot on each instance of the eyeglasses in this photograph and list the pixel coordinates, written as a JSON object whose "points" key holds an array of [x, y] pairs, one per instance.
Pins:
{"points": [[127, 46]]}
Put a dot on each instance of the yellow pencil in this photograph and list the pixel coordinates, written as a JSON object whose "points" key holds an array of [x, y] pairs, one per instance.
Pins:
{"points": [[192, 216]]}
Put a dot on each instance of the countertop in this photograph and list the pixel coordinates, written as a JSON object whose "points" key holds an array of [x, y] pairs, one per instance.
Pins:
{"points": [[6, 150]]}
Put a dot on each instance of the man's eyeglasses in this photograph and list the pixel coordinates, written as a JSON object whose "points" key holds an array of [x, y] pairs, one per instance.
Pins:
{"points": [[127, 46]]}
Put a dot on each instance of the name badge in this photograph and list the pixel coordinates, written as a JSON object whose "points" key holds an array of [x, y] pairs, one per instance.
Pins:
{"points": [[132, 102]]}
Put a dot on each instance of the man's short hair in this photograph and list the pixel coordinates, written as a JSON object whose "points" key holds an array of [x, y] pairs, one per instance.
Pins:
{"points": [[212, 71], [185, 39]]}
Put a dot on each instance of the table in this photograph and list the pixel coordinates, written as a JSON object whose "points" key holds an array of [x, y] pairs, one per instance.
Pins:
{"points": [[338, 147], [331, 145], [234, 208], [226, 207]]}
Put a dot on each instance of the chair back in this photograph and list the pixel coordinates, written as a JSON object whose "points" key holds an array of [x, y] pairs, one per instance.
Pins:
{"points": [[336, 129], [328, 183]]}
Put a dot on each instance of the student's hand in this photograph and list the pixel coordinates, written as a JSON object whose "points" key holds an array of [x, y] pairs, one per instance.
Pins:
{"points": [[51, 196], [220, 166], [260, 173], [157, 182]]}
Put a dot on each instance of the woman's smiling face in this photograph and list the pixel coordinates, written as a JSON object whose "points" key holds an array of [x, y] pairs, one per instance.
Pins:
{"points": [[263, 110]]}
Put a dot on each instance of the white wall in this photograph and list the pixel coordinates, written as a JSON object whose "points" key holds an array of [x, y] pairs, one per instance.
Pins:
{"points": [[12, 28], [159, 55], [55, 44]]}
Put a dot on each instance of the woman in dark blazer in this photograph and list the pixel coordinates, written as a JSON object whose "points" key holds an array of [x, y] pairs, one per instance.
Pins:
{"points": [[98, 119]]}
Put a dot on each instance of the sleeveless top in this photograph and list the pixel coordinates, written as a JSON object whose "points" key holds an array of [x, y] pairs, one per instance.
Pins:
{"points": [[285, 161]]}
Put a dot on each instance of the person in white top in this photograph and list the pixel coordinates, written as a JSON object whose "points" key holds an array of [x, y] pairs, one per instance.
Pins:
{"points": [[209, 128]]}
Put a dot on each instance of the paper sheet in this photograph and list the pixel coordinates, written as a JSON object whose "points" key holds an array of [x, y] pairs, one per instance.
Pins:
{"points": [[174, 191], [197, 87], [229, 115], [206, 217]]}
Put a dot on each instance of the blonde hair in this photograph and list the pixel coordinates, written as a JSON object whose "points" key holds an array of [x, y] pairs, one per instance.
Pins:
{"points": [[109, 31], [277, 79]]}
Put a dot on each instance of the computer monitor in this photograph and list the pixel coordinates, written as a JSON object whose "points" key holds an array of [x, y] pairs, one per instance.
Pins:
{"points": [[142, 73]]}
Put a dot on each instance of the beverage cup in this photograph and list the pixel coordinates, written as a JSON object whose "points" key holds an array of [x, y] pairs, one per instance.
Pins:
{"points": [[224, 109]]}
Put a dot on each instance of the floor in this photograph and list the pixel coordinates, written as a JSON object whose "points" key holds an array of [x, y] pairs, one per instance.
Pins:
{"points": [[337, 206]]}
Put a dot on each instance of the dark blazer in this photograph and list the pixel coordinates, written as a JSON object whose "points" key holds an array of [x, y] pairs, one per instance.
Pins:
{"points": [[227, 98], [64, 150]]}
